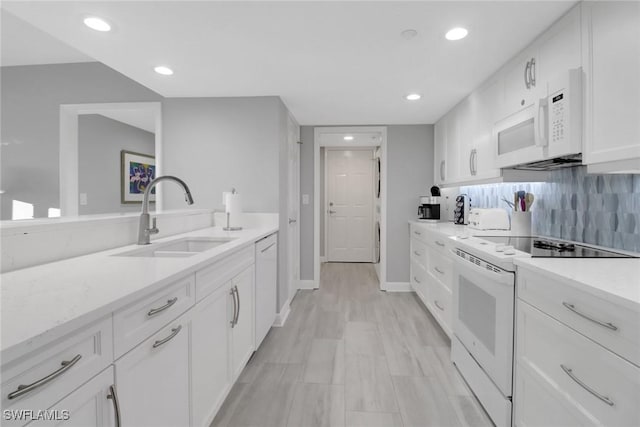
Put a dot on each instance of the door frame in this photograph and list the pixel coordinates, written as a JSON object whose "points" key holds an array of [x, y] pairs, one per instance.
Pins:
{"points": [[325, 218], [318, 142]]}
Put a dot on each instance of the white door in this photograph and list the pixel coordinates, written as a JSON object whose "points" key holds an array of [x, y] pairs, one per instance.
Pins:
{"points": [[349, 202], [293, 205]]}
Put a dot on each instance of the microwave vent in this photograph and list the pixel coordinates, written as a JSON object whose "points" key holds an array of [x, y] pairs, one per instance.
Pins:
{"points": [[552, 164]]}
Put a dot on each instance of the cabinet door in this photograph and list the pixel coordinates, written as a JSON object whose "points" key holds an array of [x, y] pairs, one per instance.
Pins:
{"points": [[452, 163], [153, 378], [266, 286], [519, 89], [88, 406], [242, 332], [612, 85], [485, 106], [440, 150], [559, 48], [210, 375], [465, 116]]}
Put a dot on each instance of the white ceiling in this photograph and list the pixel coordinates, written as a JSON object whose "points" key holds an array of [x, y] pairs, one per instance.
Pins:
{"points": [[331, 62]]}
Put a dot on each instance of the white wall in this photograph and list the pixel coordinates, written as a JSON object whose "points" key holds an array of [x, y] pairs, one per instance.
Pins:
{"points": [[31, 97], [100, 140]]}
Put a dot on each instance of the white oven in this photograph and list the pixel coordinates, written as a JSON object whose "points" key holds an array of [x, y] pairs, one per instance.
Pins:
{"points": [[483, 312]]}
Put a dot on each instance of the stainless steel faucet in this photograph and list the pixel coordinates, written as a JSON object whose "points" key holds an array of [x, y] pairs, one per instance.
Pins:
{"points": [[144, 232]]}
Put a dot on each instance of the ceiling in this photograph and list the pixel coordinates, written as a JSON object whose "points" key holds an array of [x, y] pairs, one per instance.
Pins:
{"points": [[332, 63]]}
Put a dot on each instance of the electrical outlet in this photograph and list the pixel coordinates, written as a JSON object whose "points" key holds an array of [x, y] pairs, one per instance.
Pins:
{"points": [[305, 199]]}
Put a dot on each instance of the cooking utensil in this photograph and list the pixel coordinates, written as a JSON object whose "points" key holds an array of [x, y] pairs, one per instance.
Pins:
{"points": [[523, 205], [528, 198], [515, 201], [511, 205]]}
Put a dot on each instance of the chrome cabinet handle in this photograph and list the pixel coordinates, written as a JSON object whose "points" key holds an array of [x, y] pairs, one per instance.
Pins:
{"points": [[292, 221], [416, 279], [569, 372], [232, 292], [116, 406], [474, 162], [155, 311], [527, 75], [439, 243], [438, 270], [238, 312], [175, 331], [332, 212], [26, 388], [268, 247], [606, 325], [532, 72], [438, 305], [417, 253], [442, 170]]}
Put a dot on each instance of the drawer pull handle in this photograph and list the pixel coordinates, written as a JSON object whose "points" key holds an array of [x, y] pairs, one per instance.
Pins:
{"points": [[569, 372], [416, 279], [438, 305], [439, 243], [155, 311], [606, 325], [116, 406], [268, 247], [175, 331], [24, 389], [418, 233], [238, 312], [417, 253], [438, 270]]}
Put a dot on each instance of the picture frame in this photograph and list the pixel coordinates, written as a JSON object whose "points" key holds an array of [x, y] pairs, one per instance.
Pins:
{"points": [[137, 170]]}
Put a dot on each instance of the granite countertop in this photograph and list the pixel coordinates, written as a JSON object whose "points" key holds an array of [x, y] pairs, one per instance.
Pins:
{"points": [[41, 303]]}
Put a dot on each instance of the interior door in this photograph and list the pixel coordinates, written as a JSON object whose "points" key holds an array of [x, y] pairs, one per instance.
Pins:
{"points": [[293, 207], [349, 201]]}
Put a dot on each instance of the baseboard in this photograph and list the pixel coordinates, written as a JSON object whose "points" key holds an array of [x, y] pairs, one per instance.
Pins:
{"points": [[281, 317], [397, 287], [307, 284], [323, 259]]}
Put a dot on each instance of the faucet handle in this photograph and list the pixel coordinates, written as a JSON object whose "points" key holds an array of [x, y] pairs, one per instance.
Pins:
{"points": [[153, 229]]}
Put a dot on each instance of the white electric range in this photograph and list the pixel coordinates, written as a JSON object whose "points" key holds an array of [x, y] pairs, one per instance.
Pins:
{"points": [[483, 310]]}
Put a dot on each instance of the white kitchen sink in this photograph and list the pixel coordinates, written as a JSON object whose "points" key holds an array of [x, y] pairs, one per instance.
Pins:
{"points": [[184, 247]]}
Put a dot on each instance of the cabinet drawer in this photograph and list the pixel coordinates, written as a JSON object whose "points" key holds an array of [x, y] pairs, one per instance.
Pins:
{"points": [[419, 278], [441, 267], [440, 302], [84, 353], [418, 232], [610, 325], [138, 321], [419, 252], [212, 277], [588, 376]]}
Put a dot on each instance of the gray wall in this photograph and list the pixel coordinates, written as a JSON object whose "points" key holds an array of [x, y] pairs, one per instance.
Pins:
{"points": [[100, 141], [31, 98], [409, 175]]}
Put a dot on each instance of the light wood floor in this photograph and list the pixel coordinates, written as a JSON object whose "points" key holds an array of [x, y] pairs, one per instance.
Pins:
{"points": [[351, 355]]}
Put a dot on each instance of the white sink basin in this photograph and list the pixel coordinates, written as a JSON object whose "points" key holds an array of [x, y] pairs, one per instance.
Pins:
{"points": [[185, 247]]}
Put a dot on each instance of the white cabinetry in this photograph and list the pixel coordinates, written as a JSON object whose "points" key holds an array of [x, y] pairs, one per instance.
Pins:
{"points": [[242, 330], [440, 151], [611, 47], [569, 369], [153, 379], [266, 285]]}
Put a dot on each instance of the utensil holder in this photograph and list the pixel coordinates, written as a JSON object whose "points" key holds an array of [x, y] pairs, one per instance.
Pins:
{"points": [[521, 223]]}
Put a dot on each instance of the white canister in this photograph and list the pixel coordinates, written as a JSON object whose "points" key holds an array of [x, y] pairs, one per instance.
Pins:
{"points": [[521, 223]]}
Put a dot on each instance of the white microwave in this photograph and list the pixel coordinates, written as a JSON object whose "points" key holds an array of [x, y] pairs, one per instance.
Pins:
{"points": [[547, 129]]}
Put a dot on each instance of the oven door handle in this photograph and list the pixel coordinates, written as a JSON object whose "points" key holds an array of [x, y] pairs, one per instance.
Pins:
{"points": [[502, 276]]}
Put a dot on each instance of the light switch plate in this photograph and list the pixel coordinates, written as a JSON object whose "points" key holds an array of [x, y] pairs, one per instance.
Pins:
{"points": [[83, 199], [305, 199]]}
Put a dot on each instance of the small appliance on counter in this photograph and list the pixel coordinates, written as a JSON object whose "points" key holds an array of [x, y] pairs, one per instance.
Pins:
{"points": [[488, 219], [461, 213], [429, 208]]}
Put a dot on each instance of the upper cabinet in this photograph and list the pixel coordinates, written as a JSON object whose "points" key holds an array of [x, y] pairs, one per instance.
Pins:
{"points": [[611, 49]]}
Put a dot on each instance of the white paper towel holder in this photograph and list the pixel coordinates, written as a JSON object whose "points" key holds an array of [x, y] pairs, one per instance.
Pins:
{"points": [[228, 227]]}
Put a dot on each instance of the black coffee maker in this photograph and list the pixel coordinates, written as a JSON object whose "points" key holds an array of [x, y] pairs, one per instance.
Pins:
{"points": [[429, 208]]}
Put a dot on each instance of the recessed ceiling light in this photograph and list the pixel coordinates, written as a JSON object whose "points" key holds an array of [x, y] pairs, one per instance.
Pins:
{"points": [[97, 24], [408, 34], [413, 96], [456, 33], [348, 138], [165, 71]]}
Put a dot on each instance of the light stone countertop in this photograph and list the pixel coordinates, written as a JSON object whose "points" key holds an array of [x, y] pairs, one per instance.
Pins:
{"points": [[613, 279], [42, 303]]}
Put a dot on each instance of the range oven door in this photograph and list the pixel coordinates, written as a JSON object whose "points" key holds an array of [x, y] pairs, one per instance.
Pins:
{"points": [[483, 306]]}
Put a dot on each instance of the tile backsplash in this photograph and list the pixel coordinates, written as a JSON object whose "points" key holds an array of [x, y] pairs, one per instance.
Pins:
{"points": [[598, 209]]}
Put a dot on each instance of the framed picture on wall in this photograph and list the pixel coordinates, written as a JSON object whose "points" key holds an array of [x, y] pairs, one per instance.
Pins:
{"points": [[137, 170]]}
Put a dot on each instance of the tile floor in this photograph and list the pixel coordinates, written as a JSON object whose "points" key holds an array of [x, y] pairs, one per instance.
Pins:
{"points": [[351, 355]]}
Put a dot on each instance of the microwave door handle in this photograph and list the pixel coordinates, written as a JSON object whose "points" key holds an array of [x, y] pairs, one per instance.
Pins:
{"points": [[541, 127]]}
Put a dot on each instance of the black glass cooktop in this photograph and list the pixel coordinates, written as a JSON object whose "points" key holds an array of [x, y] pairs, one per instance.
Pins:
{"points": [[542, 247]]}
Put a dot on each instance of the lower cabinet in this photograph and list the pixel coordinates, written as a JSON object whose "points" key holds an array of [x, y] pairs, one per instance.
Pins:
{"points": [[242, 330], [153, 379]]}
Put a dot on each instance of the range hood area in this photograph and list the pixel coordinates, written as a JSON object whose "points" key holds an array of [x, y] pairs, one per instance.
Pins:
{"points": [[551, 164]]}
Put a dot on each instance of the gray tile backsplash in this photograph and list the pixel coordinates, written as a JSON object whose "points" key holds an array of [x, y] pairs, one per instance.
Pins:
{"points": [[598, 209]]}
